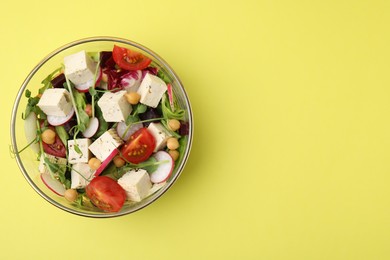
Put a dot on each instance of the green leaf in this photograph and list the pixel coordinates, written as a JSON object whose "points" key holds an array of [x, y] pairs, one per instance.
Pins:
{"points": [[27, 112], [40, 114], [32, 106], [80, 103], [33, 101], [112, 171], [79, 200], [62, 134], [92, 91], [77, 149], [79, 99], [150, 165], [103, 125], [162, 76], [167, 112], [53, 168], [27, 93], [182, 147], [84, 120], [47, 81], [141, 108], [132, 119]]}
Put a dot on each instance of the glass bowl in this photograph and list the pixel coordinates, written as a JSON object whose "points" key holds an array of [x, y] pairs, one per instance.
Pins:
{"points": [[27, 159]]}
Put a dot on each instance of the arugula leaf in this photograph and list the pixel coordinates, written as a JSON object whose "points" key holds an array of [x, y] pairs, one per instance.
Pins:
{"points": [[47, 81], [83, 116], [79, 200], [77, 149], [84, 120], [32, 106], [62, 134], [103, 125], [131, 119], [140, 108], [79, 104], [167, 112], [33, 101], [182, 146], [51, 166], [162, 76], [57, 171], [150, 165], [79, 99], [112, 171]]}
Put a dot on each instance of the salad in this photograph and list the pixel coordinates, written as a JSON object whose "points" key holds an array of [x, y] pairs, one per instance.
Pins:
{"points": [[106, 127]]}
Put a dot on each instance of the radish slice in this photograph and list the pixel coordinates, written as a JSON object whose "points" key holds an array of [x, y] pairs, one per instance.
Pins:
{"points": [[30, 130], [53, 184], [92, 128], [121, 129], [60, 120], [85, 86], [106, 162], [164, 170]]}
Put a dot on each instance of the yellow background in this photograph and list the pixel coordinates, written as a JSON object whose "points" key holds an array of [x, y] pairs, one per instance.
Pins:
{"points": [[292, 130]]}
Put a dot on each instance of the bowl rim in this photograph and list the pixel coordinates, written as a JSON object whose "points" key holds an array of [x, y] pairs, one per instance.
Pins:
{"points": [[20, 94]]}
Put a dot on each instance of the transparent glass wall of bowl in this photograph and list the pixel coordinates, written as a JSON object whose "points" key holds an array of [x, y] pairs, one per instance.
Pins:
{"points": [[28, 158]]}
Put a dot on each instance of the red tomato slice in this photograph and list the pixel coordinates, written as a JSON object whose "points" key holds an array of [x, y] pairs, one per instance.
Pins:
{"points": [[106, 194], [139, 147], [130, 60], [57, 148]]}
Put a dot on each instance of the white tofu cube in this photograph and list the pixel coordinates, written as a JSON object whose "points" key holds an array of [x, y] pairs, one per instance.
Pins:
{"points": [[114, 106], [61, 162], [80, 69], [55, 102], [81, 175], [152, 89], [107, 143], [160, 134], [80, 154], [136, 183]]}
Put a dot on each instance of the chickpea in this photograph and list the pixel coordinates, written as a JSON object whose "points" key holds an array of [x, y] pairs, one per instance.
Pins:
{"points": [[173, 124], [94, 163], [49, 136], [133, 97], [118, 161], [172, 143], [104, 77], [174, 154], [88, 110], [71, 195]]}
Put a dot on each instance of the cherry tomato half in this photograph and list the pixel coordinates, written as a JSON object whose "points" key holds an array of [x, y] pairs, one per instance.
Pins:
{"points": [[106, 194], [139, 147], [129, 60]]}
